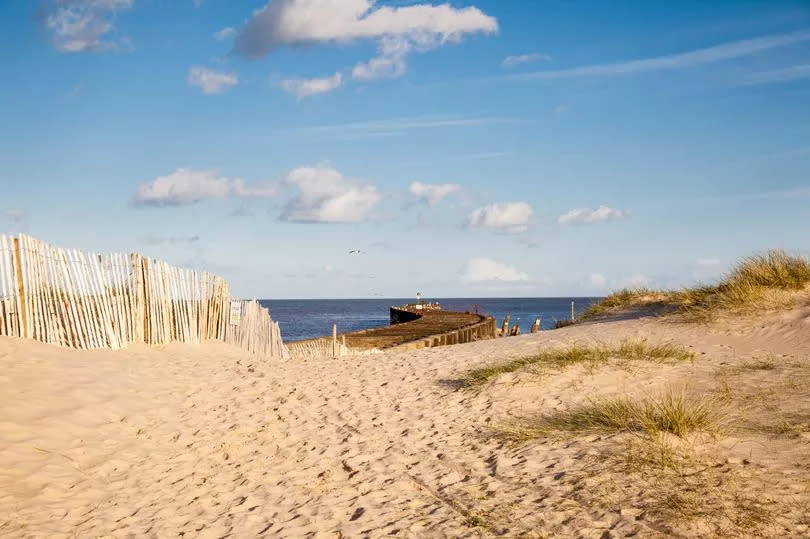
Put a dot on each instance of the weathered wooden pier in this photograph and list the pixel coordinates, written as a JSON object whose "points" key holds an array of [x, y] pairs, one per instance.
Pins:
{"points": [[412, 326]]}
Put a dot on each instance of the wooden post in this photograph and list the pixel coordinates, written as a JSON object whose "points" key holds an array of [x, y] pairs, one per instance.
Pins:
{"points": [[334, 341], [505, 326], [572, 311], [536, 325], [21, 307]]}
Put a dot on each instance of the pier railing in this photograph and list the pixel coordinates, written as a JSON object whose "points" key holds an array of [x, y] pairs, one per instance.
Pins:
{"points": [[87, 300]]}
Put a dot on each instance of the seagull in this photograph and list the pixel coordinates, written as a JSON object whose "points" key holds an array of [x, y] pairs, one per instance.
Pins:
{"points": [[355, 252]]}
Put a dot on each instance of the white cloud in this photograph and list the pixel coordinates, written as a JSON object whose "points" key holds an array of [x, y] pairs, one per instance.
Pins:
{"points": [[186, 186], [399, 30], [508, 217], [302, 88], [210, 81], [587, 215], [709, 55], [597, 280], [326, 196], [520, 59], [432, 194], [225, 33], [390, 63], [82, 25], [485, 270]]}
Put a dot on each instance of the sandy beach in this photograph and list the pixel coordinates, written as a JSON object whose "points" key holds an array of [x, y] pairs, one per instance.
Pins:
{"points": [[208, 442]]}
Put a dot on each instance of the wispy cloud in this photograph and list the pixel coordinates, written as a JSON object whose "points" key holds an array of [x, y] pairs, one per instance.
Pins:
{"points": [[302, 88], [708, 55], [587, 215], [82, 26], [210, 81], [225, 33], [775, 76], [520, 59], [399, 126]]}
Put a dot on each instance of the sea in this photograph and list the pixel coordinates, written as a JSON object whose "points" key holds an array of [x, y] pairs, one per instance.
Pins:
{"points": [[309, 318]]}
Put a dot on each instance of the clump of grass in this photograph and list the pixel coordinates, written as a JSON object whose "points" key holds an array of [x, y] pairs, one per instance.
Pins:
{"points": [[477, 377], [621, 299], [776, 269], [764, 280], [590, 355], [640, 350], [678, 413], [786, 427], [767, 364]]}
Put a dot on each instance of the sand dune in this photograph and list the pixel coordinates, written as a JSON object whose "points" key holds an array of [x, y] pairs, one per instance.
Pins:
{"points": [[208, 442]]}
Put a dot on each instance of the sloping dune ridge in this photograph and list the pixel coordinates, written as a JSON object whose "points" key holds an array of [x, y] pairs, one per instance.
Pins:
{"points": [[209, 442]]}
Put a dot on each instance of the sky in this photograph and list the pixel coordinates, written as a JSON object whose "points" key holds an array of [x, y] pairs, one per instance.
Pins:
{"points": [[361, 148]]}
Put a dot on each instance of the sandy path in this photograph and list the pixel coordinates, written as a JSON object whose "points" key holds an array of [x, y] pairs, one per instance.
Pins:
{"points": [[210, 443]]}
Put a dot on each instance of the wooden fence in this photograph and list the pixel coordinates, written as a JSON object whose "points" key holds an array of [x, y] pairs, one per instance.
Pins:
{"points": [[322, 347], [87, 300]]}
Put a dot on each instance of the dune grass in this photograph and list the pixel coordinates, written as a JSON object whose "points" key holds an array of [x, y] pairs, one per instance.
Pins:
{"points": [[591, 355], [675, 412], [759, 281]]}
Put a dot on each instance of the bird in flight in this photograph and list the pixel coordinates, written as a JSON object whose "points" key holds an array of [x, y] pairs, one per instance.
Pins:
{"points": [[354, 252]]}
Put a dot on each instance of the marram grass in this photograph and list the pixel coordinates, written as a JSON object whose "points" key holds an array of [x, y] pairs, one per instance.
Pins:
{"points": [[592, 355], [675, 412], [759, 281]]}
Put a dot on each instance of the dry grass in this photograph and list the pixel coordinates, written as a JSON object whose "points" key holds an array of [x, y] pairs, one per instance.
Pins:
{"points": [[787, 427], [590, 355], [767, 364], [757, 282], [675, 412]]}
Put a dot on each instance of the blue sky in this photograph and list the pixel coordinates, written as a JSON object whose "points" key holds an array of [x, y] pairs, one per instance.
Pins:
{"points": [[476, 148]]}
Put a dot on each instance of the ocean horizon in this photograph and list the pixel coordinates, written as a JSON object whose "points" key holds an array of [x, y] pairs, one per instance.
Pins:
{"points": [[301, 319]]}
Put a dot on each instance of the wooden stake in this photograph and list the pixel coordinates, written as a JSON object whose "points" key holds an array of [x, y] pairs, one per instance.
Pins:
{"points": [[21, 299]]}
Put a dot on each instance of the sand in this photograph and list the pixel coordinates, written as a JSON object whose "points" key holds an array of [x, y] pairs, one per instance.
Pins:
{"points": [[209, 442]]}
